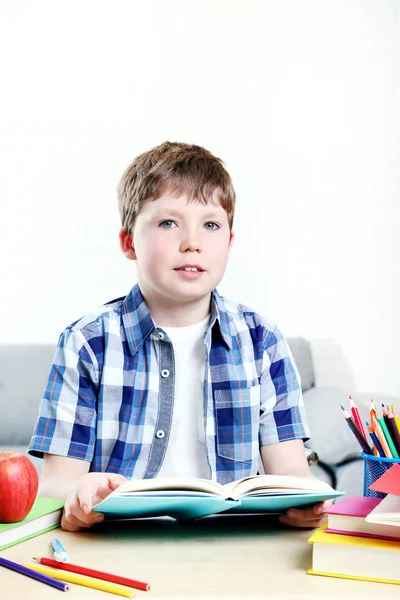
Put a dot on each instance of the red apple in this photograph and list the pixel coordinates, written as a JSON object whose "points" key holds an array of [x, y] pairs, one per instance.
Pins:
{"points": [[19, 484]]}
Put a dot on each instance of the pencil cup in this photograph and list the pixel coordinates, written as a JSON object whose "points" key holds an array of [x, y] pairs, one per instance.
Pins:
{"points": [[374, 467]]}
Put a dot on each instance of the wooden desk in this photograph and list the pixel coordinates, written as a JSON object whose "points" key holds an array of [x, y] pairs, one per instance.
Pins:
{"points": [[220, 557]]}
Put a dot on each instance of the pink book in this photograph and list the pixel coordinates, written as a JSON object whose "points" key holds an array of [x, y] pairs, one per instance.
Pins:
{"points": [[353, 506], [348, 518]]}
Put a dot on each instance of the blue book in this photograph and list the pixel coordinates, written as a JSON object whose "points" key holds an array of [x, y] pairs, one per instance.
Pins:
{"points": [[183, 498]]}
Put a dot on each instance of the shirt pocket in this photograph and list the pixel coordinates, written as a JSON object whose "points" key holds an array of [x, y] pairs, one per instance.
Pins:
{"points": [[237, 423]]}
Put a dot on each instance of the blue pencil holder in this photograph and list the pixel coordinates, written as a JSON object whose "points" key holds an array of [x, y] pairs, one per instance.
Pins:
{"points": [[374, 467]]}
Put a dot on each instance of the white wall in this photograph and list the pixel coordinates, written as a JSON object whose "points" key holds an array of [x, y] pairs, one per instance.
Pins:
{"points": [[301, 100]]}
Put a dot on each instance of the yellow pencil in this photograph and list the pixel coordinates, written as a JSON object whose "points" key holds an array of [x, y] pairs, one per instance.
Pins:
{"points": [[396, 418], [105, 586]]}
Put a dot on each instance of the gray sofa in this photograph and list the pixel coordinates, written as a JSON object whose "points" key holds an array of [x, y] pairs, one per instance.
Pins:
{"points": [[24, 370]]}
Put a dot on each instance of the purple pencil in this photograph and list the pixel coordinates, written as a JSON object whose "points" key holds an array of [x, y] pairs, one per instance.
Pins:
{"points": [[60, 585], [357, 433]]}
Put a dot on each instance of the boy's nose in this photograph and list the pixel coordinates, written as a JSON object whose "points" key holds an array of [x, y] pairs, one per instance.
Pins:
{"points": [[190, 243]]}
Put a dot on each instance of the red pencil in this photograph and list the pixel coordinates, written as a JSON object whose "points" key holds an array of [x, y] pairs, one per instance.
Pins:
{"points": [[139, 585], [356, 417]]}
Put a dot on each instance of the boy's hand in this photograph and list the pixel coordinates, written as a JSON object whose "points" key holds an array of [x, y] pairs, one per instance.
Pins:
{"points": [[306, 517], [92, 488]]}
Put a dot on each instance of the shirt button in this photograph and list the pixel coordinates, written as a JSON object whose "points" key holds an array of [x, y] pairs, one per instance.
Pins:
{"points": [[165, 373], [160, 434], [160, 335]]}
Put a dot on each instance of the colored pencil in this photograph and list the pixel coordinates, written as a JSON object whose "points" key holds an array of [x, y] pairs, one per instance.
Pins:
{"points": [[356, 417], [396, 417], [387, 435], [82, 580], [393, 430], [372, 410], [375, 441], [380, 435], [357, 433], [386, 417], [23, 570], [139, 585]]}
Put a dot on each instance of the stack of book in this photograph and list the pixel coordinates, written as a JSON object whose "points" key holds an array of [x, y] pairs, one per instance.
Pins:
{"points": [[361, 538]]}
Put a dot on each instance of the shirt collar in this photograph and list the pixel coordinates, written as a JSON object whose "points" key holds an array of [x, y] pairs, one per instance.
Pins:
{"points": [[138, 324], [220, 318]]}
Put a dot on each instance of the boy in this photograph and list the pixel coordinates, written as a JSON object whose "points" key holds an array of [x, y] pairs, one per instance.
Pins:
{"points": [[171, 380]]}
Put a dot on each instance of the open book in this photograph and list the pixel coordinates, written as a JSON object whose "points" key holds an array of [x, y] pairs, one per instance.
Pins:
{"points": [[191, 498]]}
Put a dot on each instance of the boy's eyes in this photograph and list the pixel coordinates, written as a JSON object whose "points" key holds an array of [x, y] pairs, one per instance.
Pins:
{"points": [[213, 226], [167, 224], [210, 225]]}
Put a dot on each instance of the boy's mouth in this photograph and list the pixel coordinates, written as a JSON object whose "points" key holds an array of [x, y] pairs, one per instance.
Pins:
{"points": [[190, 268], [190, 272]]}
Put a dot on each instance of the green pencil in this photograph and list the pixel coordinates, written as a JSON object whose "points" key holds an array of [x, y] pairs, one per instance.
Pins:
{"points": [[389, 440]]}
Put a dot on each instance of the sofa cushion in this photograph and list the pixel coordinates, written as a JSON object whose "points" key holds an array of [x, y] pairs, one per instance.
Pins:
{"points": [[24, 369], [301, 351], [349, 478]]}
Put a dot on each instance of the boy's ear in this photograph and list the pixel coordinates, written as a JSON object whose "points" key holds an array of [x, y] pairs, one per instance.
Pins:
{"points": [[231, 238], [126, 243]]}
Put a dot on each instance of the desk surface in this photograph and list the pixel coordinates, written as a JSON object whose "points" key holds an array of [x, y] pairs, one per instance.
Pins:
{"points": [[214, 558]]}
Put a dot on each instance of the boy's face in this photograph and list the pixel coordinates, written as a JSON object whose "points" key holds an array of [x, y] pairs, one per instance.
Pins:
{"points": [[181, 248]]}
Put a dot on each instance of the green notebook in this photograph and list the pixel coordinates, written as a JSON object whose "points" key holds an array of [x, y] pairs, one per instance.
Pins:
{"points": [[45, 514]]}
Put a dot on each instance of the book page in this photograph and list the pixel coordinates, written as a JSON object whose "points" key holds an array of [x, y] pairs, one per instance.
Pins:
{"points": [[274, 484], [177, 484], [387, 511]]}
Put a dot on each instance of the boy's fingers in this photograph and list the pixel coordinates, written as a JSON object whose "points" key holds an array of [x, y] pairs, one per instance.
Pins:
{"points": [[302, 523], [115, 481], [85, 502], [319, 509], [326, 504], [101, 486], [74, 518], [86, 508], [306, 517], [85, 496], [71, 522], [306, 514]]}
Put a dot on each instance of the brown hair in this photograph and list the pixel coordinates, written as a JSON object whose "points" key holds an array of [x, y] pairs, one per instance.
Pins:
{"points": [[176, 167]]}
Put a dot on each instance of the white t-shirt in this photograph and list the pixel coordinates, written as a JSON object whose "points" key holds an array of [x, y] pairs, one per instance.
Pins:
{"points": [[186, 454]]}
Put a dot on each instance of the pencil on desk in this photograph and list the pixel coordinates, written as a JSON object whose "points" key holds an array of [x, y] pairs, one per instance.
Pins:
{"points": [[82, 580], [33, 574], [139, 585]]}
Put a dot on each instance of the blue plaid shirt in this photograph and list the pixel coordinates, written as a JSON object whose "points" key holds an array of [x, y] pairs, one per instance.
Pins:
{"points": [[110, 394]]}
